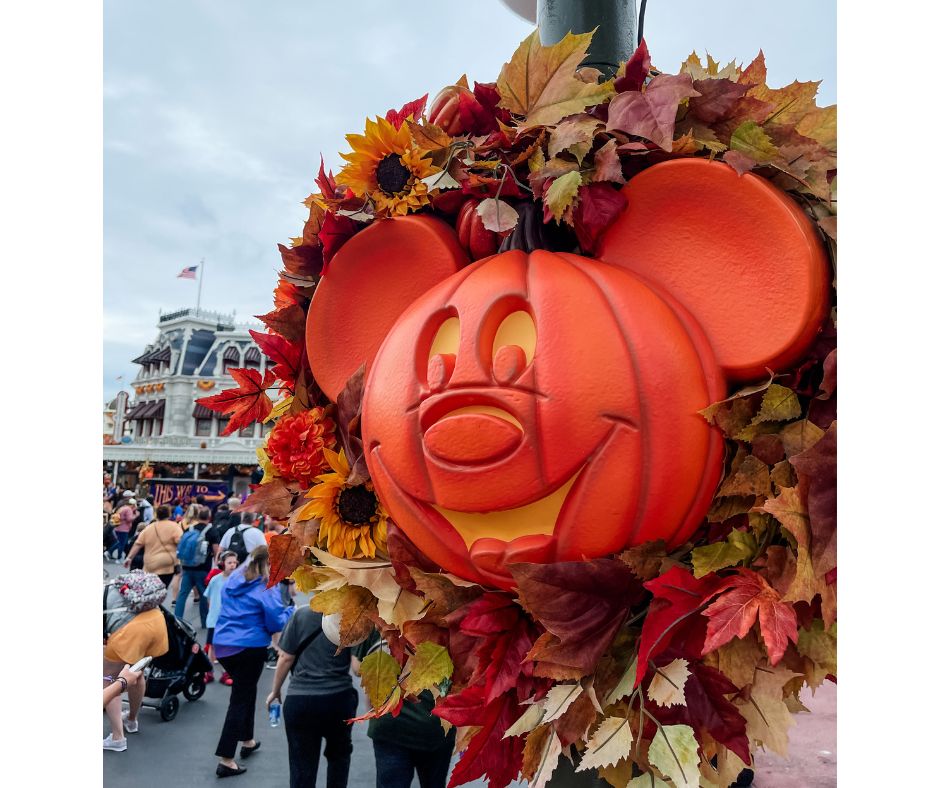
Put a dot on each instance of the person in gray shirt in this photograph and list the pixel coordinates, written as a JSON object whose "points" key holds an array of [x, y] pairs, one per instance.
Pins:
{"points": [[319, 700]]}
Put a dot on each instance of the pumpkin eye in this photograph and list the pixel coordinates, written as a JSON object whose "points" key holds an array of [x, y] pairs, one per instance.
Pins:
{"points": [[443, 353], [513, 346]]}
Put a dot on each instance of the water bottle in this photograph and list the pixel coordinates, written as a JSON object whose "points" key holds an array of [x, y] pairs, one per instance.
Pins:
{"points": [[274, 714]]}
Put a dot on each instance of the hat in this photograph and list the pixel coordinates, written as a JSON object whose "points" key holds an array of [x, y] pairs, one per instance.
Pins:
{"points": [[132, 501], [128, 493]]}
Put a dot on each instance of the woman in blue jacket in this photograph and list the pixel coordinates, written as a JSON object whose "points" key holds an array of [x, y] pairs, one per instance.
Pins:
{"points": [[249, 615]]}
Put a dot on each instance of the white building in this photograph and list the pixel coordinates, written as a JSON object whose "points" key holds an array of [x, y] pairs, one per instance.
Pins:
{"points": [[167, 429]]}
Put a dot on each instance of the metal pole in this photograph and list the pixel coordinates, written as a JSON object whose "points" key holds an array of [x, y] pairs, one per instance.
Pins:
{"points": [[615, 21], [202, 267]]}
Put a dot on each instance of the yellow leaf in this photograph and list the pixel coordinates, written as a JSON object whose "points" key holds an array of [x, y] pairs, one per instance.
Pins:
{"points": [[354, 605], [575, 135], [541, 84], [530, 718], [751, 140], [792, 103], [624, 686], [430, 665], [820, 124], [738, 659], [768, 717], [739, 546], [779, 404], [674, 751], [561, 194], [379, 673], [559, 698], [609, 744], [668, 685], [279, 409]]}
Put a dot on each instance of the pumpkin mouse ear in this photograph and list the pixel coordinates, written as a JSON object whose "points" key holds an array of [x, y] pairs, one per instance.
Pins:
{"points": [[372, 279], [737, 252]]}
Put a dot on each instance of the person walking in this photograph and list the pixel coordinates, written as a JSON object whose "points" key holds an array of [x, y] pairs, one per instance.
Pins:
{"points": [[228, 563], [196, 552], [242, 537], [250, 614], [126, 514], [319, 700], [158, 541]]}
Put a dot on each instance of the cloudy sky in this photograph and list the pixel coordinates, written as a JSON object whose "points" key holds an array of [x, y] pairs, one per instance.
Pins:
{"points": [[216, 113]]}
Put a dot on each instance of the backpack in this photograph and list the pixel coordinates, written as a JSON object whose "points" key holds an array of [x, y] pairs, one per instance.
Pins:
{"points": [[193, 548], [237, 543]]}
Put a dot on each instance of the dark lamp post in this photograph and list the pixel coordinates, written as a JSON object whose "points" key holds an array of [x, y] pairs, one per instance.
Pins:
{"points": [[615, 20]]}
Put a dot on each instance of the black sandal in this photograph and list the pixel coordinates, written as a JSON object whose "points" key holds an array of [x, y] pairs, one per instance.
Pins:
{"points": [[249, 751], [227, 771]]}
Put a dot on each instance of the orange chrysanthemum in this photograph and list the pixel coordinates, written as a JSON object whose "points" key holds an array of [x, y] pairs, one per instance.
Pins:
{"points": [[297, 443], [353, 522], [386, 167]]}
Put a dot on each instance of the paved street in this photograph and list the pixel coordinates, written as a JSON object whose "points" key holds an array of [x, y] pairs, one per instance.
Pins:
{"points": [[180, 753]]}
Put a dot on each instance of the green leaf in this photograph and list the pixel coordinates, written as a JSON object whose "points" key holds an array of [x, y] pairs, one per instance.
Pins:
{"points": [[430, 665], [379, 674], [740, 546], [674, 751], [562, 192], [779, 404], [752, 140], [819, 644]]}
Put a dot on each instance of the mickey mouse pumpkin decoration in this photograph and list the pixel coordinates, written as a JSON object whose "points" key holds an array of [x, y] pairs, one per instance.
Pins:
{"points": [[544, 407]]}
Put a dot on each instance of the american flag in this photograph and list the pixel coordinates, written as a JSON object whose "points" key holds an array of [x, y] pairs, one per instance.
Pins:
{"points": [[188, 273]]}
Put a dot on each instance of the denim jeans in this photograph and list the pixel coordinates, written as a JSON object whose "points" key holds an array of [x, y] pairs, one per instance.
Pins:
{"points": [[193, 578], [395, 766], [121, 544]]}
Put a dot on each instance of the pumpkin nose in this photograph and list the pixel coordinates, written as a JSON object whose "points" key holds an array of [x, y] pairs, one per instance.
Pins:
{"points": [[440, 369], [473, 436]]}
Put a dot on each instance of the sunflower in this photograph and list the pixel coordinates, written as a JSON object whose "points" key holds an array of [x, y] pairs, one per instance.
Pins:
{"points": [[353, 521], [387, 167]]}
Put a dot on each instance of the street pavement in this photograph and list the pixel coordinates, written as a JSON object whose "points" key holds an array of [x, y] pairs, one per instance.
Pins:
{"points": [[180, 752]]}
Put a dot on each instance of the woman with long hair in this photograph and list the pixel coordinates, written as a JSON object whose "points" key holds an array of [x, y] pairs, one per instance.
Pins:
{"points": [[250, 613]]}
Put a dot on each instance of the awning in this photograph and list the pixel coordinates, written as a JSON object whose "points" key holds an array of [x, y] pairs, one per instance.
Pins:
{"points": [[162, 356], [148, 410], [136, 411], [202, 412], [230, 354], [144, 358], [157, 411], [253, 354]]}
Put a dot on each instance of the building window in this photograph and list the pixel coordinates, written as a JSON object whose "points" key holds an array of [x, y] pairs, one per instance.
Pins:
{"points": [[247, 432], [145, 428], [223, 423], [157, 427], [203, 428]]}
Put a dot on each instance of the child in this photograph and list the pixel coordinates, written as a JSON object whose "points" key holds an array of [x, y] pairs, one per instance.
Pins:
{"points": [[228, 562]]}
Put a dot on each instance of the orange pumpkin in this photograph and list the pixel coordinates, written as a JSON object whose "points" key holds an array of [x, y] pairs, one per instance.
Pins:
{"points": [[544, 407]]}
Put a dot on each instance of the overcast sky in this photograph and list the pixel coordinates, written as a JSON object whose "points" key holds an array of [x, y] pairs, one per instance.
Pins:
{"points": [[216, 112]]}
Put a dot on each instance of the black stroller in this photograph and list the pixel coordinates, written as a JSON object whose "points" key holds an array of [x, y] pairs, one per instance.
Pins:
{"points": [[182, 669]]}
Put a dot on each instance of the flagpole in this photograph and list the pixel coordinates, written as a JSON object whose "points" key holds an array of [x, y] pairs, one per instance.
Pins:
{"points": [[202, 267]]}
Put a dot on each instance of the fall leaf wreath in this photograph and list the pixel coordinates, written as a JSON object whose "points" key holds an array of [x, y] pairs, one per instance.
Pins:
{"points": [[652, 666]]}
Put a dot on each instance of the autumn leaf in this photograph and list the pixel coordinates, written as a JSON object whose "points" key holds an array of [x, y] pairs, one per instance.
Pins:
{"points": [[444, 592], [817, 466], [540, 84], [355, 605], [767, 715], [413, 110], [348, 426], [677, 595], [539, 769], [335, 232], [288, 357], [632, 74], [531, 718], [651, 114], [607, 165], [668, 685], [582, 603], [716, 99], [674, 751], [430, 665], [739, 161], [247, 403], [734, 613], [751, 140], [791, 103], [497, 215], [562, 193], [597, 206], [778, 404], [274, 498], [624, 686], [289, 322], [819, 644], [752, 477], [608, 744], [285, 555], [574, 135], [646, 560], [800, 436], [648, 780], [379, 675], [739, 546]]}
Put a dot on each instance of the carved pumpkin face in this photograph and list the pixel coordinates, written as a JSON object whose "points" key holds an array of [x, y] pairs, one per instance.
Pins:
{"points": [[542, 407]]}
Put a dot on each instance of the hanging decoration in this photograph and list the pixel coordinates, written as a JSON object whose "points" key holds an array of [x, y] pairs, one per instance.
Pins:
{"points": [[553, 387]]}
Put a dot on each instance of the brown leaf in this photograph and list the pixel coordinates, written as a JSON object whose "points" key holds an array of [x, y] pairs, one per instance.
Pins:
{"points": [[817, 466], [356, 605], [716, 99], [442, 592], [275, 498], [286, 554], [652, 113], [349, 431], [751, 478], [289, 322], [646, 560]]}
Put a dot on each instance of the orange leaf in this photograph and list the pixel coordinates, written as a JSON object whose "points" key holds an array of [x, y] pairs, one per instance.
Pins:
{"points": [[286, 554], [247, 403]]}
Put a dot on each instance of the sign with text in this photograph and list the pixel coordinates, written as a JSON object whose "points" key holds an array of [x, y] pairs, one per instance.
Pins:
{"points": [[165, 492]]}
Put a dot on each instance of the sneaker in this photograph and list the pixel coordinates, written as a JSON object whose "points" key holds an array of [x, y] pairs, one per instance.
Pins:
{"points": [[208, 678], [115, 745], [129, 727], [226, 680]]}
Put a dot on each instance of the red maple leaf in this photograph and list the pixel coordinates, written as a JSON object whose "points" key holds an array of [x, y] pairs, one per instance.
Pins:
{"points": [[286, 554], [302, 261], [413, 109], [247, 403], [636, 71], [273, 498], [677, 596], [288, 357], [335, 232], [326, 182], [288, 321], [748, 597]]}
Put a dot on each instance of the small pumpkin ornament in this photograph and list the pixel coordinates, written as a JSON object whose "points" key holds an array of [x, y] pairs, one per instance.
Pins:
{"points": [[473, 236], [545, 407]]}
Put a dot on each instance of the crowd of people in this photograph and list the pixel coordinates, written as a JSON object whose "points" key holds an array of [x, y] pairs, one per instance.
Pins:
{"points": [[222, 559]]}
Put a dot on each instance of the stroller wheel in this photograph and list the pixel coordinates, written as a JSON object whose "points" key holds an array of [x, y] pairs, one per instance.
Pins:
{"points": [[168, 708], [195, 687]]}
